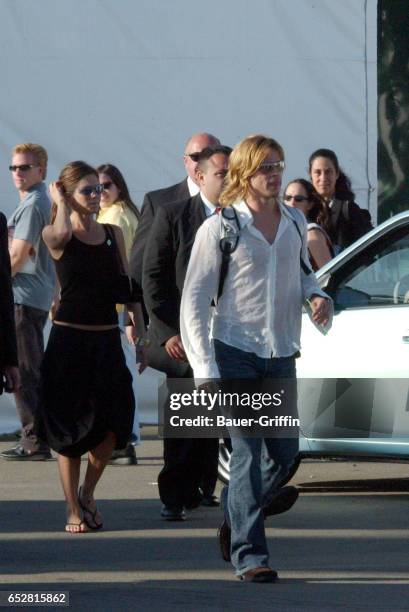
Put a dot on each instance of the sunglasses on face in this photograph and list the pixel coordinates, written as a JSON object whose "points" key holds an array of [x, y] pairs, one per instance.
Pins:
{"points": [[277, 166], [296, 198], [107, 185], [87, 191], [22, 167], [193, 156]]}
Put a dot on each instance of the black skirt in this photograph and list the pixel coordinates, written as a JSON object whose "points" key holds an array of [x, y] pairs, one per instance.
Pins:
{"points": [[86, 391]]}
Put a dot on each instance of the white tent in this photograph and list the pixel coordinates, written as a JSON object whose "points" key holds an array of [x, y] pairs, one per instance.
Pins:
{"points": [[128, 82]]}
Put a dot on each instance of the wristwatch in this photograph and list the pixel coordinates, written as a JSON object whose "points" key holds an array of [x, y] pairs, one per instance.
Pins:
{"points": [[141, 342]]}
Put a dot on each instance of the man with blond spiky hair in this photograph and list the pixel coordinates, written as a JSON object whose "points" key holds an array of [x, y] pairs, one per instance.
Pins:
{"points": [[33, 288]]}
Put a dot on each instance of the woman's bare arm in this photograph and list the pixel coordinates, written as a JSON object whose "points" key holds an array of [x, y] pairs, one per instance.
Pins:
{"points": [[318, 247], [59, 233]]}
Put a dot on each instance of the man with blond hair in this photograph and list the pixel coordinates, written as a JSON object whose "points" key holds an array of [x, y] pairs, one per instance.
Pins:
{"points": [[254, 334], [33, 288]]}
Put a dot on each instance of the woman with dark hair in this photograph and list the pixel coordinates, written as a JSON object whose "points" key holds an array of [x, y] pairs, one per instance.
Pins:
{"points": [[302, 195], [88, 402], [348, 221], [116, 206]]}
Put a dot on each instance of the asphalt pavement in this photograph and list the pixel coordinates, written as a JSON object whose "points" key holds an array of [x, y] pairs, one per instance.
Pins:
{"points": [[343, 546]]}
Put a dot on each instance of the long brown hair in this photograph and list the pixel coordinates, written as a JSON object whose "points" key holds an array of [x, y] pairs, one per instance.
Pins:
{"points": [[69, 178], [117, 177], [343, 187], [244, 162], [319, 212]]}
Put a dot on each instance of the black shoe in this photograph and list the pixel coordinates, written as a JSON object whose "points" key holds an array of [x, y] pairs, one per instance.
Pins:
{"points": [[224, 535], [210, 501], [173, 514], [193, 502], [283, 500], [124, 456], [18, 453]]}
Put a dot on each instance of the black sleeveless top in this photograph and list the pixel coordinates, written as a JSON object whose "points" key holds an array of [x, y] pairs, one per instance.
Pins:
{"points": [[87, 274]]}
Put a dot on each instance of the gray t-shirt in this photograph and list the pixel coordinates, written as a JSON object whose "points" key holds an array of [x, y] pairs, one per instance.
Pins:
{"points": [[34, 284]]}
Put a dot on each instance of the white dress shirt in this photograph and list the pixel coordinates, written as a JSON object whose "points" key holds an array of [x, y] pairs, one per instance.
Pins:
{"points": [[193, 188], [260, 308], [209, 207]]}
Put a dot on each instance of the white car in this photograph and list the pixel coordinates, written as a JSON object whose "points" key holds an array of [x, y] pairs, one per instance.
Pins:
{"points": [[354, 382]]}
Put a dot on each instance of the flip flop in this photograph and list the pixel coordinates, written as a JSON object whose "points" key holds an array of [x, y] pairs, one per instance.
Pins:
{"points": [[89, 520], [76, 525]]}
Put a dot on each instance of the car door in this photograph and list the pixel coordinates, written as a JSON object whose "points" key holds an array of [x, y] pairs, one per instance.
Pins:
{"points": [[362, 403]]}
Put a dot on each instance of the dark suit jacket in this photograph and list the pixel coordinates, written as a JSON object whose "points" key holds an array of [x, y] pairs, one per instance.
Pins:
{"points": [[344, 230], [8, 347], [165, 264], [151, 202]]}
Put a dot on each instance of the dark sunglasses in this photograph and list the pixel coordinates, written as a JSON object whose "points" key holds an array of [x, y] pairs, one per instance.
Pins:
{"points": [[296, 198], [107, 185], [193, 156], [87, 191], [22, 167]]}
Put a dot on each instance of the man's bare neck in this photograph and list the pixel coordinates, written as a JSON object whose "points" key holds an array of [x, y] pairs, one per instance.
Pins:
{"points": [[262, 205]]}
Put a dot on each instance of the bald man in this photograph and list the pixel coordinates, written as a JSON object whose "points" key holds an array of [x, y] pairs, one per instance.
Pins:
{"points": [[180, 191]]}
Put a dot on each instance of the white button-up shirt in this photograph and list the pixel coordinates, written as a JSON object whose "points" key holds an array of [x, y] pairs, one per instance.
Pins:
{"points": [[192, 187], [260, 308]]}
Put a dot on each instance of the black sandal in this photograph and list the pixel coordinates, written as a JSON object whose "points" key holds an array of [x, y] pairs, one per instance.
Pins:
{"points": [[92, 514]]}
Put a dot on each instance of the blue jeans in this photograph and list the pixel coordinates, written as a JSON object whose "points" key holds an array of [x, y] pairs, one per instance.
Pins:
{"points": [[257, 465]]}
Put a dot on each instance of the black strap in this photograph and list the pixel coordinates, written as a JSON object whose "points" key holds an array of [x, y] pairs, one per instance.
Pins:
{"points": [[224, 268], [227, 246], [345, 210], [304, 266]]}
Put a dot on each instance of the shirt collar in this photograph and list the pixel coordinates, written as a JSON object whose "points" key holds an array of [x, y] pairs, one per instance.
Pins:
{"points": [[38, 187], [193, 188], [210, 208], [246, 216], [244, 213]]}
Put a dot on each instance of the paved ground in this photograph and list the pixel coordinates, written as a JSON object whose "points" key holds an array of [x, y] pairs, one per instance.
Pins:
{"points": [[342, 547]]}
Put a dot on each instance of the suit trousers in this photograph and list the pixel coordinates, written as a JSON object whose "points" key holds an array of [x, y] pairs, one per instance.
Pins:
{"points": [[190, 464], [30, 324]]}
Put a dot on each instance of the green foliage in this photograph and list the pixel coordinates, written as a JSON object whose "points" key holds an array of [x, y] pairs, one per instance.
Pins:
{"points": [[393, 107]]}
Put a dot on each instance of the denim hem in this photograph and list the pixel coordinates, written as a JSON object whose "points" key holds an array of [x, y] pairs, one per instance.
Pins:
{"points": [[240, 572]]}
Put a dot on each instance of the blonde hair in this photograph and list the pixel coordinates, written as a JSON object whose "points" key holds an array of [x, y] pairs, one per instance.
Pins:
{"points": [[36, 150], [244, 162]]}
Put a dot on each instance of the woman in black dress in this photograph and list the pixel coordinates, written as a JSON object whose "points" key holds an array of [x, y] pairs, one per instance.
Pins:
{"points": [[88, 402]]}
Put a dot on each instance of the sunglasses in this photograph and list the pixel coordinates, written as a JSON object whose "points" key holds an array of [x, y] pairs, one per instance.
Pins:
{"points": [[193, 156], [22, 167], [277, 166], [87, 191], [296, 198], [107, 185]]}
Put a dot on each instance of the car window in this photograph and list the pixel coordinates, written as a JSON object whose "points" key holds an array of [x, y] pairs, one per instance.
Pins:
{"points": [[377, 276]]}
